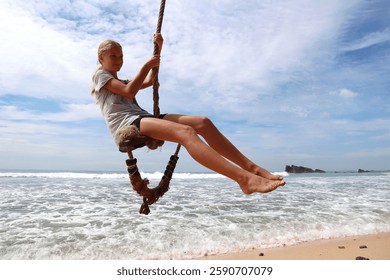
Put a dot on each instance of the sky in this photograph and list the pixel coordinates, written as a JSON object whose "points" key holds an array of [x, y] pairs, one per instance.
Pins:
{"points": [[287, 81]]}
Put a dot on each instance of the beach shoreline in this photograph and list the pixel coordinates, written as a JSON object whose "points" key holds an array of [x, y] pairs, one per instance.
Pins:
{"points": [[371, 246]]}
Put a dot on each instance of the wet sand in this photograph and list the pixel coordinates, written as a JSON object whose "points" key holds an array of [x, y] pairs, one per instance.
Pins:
{"points": [[373, 247]]}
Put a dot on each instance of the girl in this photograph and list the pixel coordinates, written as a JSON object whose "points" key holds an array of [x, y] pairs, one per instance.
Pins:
{"points": [[116, 99]]}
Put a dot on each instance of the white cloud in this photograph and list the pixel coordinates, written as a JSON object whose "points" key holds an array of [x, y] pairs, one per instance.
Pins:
{"points": [[230, 55], [344, 93], [41, 61], [70, 113], [296, 110], [369, 40], [230, 49]]}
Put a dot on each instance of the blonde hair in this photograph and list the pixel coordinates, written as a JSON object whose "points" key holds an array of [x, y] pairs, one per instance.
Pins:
{"points": [[102, 49]]}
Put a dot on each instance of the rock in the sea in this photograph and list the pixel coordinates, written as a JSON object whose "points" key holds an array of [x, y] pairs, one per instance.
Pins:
{"points": [[301, 169], [362, 170]]}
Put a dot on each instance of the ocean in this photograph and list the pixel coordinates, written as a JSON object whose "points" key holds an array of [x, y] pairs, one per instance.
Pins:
{"points": [[94, 215]]}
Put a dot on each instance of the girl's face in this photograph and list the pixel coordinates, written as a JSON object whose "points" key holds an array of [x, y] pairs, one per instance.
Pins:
{"points": [[112, 60]]}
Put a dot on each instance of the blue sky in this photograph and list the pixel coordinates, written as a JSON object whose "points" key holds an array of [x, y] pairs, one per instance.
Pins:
{"points": [[289, 82]]}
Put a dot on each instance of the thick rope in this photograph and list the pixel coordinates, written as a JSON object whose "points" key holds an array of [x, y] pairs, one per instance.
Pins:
{"points": [[140, 185], [156, 51], [151, 195]]}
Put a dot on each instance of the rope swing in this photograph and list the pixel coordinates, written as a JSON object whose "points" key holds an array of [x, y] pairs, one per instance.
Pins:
{"points": [[129, 139]]}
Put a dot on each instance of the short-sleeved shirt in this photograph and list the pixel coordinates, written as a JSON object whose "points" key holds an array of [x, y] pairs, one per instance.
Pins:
{"points": [[118, 111]]}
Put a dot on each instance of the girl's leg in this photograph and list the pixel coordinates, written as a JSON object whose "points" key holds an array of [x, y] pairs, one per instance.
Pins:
{"points": [[205, 127], [205, 155]]}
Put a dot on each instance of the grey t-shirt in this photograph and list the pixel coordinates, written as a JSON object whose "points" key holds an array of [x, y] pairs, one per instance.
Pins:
{"points": [[118, 111]]}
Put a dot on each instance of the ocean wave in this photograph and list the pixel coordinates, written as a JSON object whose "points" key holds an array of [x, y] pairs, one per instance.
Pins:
{"points": [[282, 173], [61, 175], [90, 219], [114, 175]]}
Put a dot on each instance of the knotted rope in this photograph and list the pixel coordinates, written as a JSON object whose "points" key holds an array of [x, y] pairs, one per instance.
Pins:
{"points": [[140, 185]]}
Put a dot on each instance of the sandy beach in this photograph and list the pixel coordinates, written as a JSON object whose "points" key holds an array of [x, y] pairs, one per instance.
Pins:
{"points": [[373, 247]]}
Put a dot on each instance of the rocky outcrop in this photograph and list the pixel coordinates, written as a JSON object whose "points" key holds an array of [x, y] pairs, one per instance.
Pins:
{"points": [[362, 171], [301, 169]]}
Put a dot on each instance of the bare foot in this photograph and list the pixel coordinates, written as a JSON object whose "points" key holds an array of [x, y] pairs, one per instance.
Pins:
{"points": [[257, 170], [260, 184]]}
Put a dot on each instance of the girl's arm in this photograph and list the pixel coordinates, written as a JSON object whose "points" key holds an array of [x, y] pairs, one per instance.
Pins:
{"points": [[158, 41], [131, 89], [144, 77], [148, 82]]}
